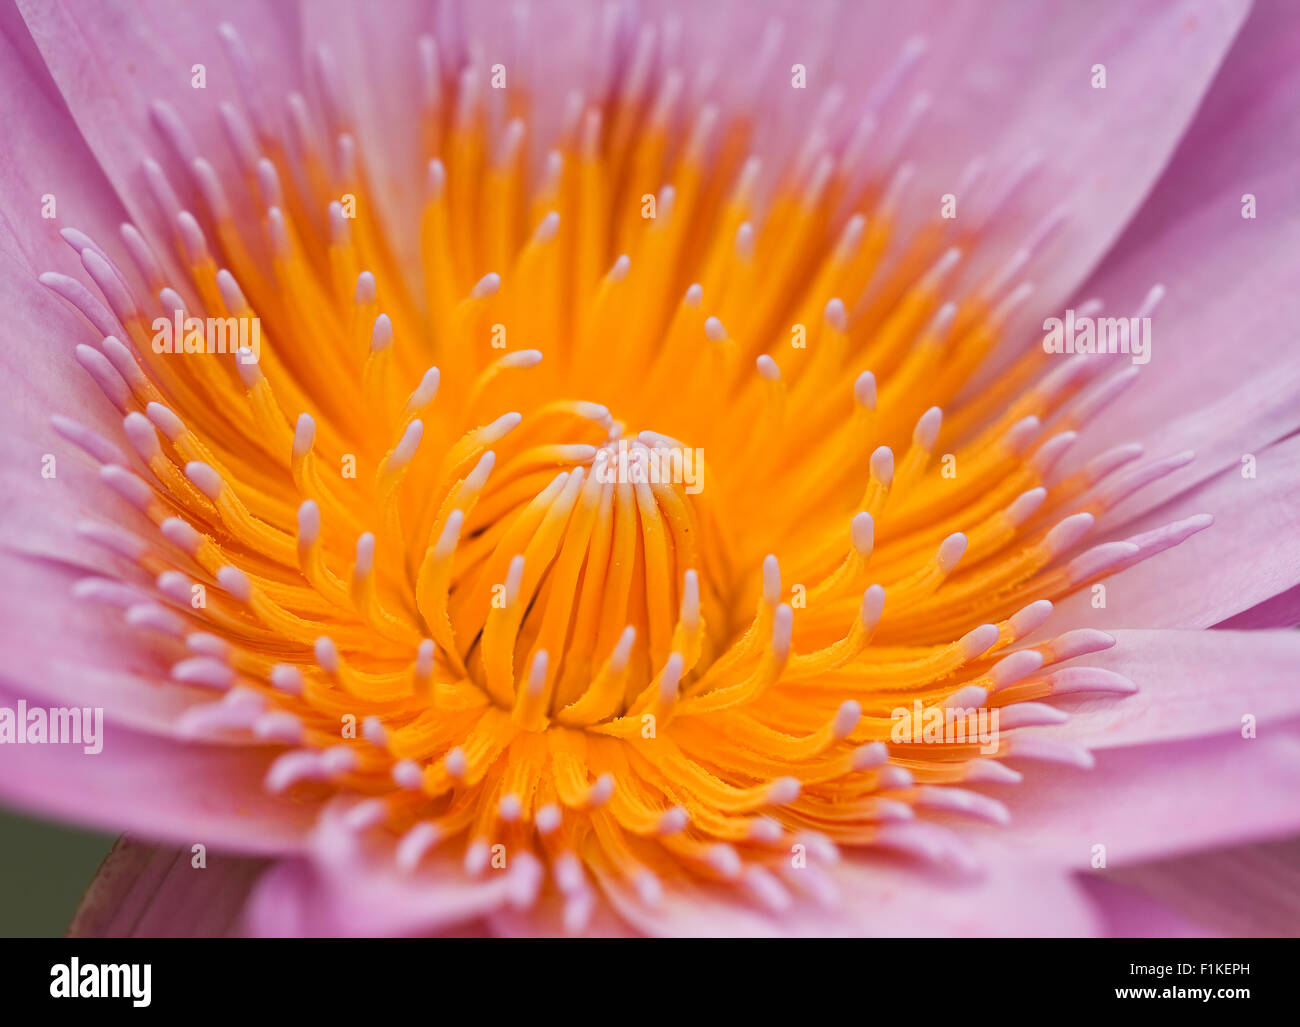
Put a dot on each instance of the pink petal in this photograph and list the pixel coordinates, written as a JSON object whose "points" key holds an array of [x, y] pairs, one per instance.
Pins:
{"points": [[1150, 106], [295, 900], [87, 46], [151, 891], [183, 792], [1192, 684], [1239, 892], [1223, 379], [50, 665], [1282, 611], [545, 919], [44, 155], [1144, 802], [878, 896], [1103, 148], [350, 886], [1249, 554], [36, 358], [1129, 912]]}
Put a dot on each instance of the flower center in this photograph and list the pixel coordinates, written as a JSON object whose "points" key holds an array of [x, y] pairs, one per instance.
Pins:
{"points": [[634, 654]]}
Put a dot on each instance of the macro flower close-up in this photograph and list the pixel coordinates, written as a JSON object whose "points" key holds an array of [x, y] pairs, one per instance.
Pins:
{"points": [[655, 468]]}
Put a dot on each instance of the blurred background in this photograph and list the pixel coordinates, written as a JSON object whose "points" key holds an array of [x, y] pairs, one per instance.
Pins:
{"points": [[45, 868]]}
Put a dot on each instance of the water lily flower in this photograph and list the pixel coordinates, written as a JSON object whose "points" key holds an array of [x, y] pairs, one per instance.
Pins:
{"points": [[614, 469]]}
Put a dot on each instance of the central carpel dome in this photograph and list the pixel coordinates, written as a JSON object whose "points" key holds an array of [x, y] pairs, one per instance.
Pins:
{"points": [[575, 575]]}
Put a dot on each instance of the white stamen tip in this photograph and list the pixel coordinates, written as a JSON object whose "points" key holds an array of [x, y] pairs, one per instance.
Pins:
{"points": [[725, 860], [771, 580], [407, 445], [365, 560], [165, 421], [287, 679], [478, 477], [235, 582], [671, 677], [882, 465], [864, 390], [873, 605], [784, 790], [249, 373], [601, 791], [622, 650], [477, 855], [327, 654], [978, 642], [967, 697], [927, 429], [943, 319], [486, 286], [381, 335], [279, 726], [547, 228], [203, 670], [150, 616], [1152, 300], [205, 479], [523, 358], [510, 808], [424, 659], [449, 537], [308, 522], [426, 391], [1026, 505], [548, 818], [846, 718], [367, 290], [649, 888], [514, 578], [1031, 617], [181, 534], [1015, 667], [690, 613], [501, 427], [537, 673], [1068, 533], [207, 644], [836, 316], [869, 756], [143, 436], [374, 732], [862, 532], [304, 434], [893, 778], [407, 774], [673, 821], [767, 369], [435, 178], [951, 550]]}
